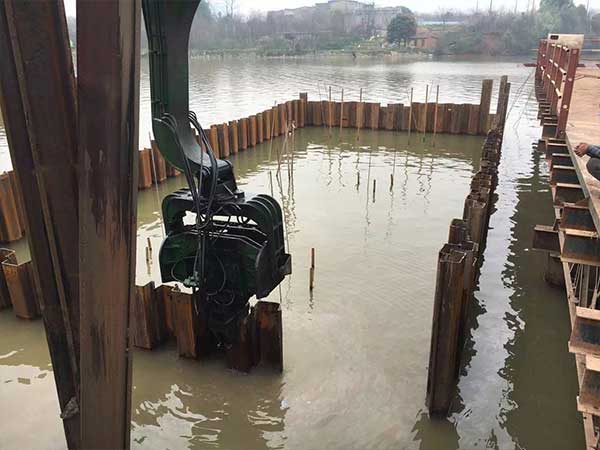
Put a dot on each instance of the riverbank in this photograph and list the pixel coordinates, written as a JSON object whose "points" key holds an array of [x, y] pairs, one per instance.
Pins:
{"points": [[254, 52]]}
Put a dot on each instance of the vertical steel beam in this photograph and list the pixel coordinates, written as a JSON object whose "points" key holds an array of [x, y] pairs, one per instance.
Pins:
{"points": [[37, 97], [540, 58], [108, 70], [571, 62]]}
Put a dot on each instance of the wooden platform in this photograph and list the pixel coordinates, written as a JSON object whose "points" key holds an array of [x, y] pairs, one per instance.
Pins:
{"points": [[584, 126]]}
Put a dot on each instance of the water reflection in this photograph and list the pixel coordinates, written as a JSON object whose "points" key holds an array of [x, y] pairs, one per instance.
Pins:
{"points": [[534, 383], [188, 404], [27, 392]]}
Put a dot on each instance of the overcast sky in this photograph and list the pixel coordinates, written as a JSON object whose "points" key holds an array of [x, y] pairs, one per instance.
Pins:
{"points": [[247, 6]]}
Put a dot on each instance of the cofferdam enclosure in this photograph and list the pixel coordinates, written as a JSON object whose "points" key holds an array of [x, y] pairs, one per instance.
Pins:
{"points": [[375, 205], [376, 250]]}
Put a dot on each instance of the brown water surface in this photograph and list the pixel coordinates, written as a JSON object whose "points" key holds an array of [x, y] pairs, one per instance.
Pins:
{"points": [[355, 349]]}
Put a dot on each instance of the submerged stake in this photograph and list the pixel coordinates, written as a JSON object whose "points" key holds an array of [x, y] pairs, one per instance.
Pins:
{"points": [[374, 188], [311, 273], [435, 114], [410, 114], [342, 113]]}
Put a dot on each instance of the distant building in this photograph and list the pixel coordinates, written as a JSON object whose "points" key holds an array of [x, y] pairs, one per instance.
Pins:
{"points": [[336, 15], [424, 39]]}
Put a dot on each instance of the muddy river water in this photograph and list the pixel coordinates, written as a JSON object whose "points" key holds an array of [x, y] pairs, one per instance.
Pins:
{"points": [[356, 348]]}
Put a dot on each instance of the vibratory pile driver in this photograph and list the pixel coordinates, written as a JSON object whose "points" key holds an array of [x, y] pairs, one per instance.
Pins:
{"points": [[224, 244]]}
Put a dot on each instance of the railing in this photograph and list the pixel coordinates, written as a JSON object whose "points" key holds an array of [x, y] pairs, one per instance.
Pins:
{"points": [[555, 75]]}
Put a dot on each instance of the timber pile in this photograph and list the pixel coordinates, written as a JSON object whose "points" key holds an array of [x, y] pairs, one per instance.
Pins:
{"points": [[458, 270], [229, 138], [163, 313]]}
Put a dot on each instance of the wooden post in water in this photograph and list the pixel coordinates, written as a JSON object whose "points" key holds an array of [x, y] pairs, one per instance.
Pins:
{"points": [[410, 108], [359, 114], [435, 114], [37, 97], [425, 111], [374, 189], [108, 78], [342, 113], [329, 113], [311, 274]]}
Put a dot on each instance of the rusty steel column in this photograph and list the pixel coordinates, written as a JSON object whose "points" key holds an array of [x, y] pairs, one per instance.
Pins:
{"points": [[37, 97], [108, 63], [572, 62]]}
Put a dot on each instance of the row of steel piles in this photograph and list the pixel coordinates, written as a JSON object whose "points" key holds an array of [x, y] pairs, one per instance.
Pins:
{"points": [[458, 270], [431, 117], [231, 137], [162, 313]]}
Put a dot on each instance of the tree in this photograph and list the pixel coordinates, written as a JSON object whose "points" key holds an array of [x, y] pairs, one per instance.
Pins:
{"points": [[562, 16], [595, 20], [230, 7], [445, 15], [401, 27]]}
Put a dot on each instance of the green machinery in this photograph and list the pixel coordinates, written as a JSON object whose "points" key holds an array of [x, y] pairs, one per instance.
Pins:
{"points": [[234, 246]]}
